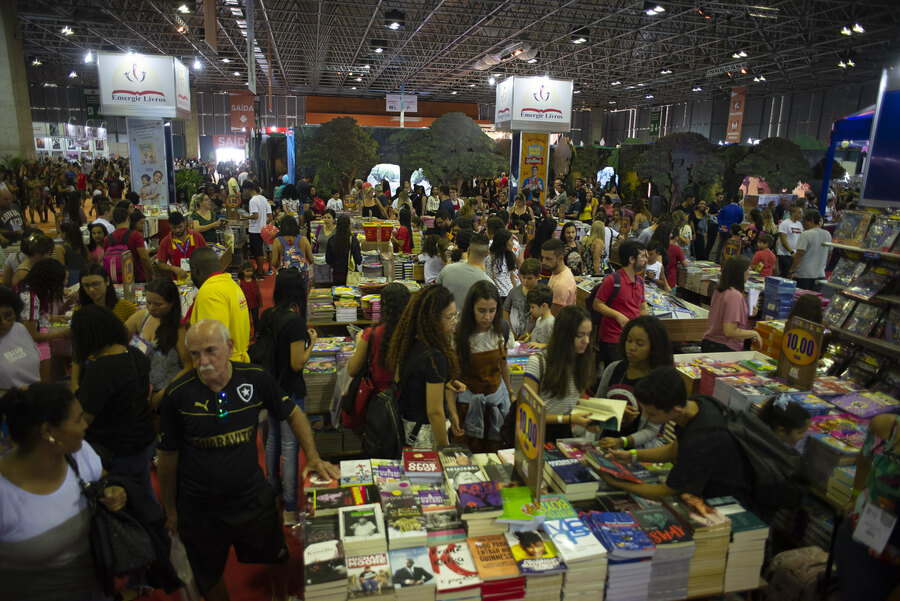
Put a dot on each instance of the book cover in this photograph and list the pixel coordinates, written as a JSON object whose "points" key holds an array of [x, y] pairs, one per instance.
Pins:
{"points": [[455, 456], [868, 285], [480, 499], [852, 227], [621, 534], [552, 452], [607, 413], [518, 506], [356, 471], [556, 507], [445, 520], [661, 526], [848, 268], [399, 497], [323, 553], [387, 470], [405, 525], [369, 575], [618, 501], [572, 472], [573, 448], [534, 553], [361, 524], [493, 558], [421, 463], [433, 497], [573, 539], [882, 234], [599, 461], [699, 513], [463, 474], [864, 404], [411, 567], [454, 567], [863, 319], [314, 481], [329, 501]]}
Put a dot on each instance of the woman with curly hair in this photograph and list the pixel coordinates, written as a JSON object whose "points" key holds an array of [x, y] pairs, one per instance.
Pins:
{"points": [[42, 291], [422, 358], [34, 247]]}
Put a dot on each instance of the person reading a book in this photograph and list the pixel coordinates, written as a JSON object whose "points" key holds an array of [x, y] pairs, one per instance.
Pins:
{"points": [[788, 420], [560, 373], [643, 346], [726, 326], [707, 461]]}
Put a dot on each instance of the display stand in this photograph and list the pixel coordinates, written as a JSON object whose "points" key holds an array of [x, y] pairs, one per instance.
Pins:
{"points": [[530, 426]]}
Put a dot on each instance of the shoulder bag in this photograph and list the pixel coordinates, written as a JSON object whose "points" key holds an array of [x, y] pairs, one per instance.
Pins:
{"points": [[355, 399]]}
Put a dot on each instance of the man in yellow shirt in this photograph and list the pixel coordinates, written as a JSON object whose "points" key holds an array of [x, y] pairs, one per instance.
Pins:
{"points": [[220, 298]]}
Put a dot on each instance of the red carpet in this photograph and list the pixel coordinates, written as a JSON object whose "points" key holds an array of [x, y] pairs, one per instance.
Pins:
{"points": [[249, 582]]}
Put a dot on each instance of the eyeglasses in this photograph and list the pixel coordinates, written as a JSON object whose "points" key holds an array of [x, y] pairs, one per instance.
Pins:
{"points": [[450, 318], [222, 411], [92, 285]]}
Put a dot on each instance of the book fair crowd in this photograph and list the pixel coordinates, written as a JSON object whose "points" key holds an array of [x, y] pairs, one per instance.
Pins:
{"points": [[663, 476]]}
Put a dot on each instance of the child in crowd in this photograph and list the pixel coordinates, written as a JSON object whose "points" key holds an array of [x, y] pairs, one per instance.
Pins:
{"points": [[788, 420], [250, 288], [335, 203], [434, 255], [764, 260], [654, 270], [539, 300], [515, 308]]}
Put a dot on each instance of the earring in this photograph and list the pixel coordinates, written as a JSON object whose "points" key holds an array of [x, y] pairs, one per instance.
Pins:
{"points": [[52, 440]]}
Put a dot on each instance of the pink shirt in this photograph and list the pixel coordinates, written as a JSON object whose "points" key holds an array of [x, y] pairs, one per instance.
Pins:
{"points": [[563, 286], [729, 306]]}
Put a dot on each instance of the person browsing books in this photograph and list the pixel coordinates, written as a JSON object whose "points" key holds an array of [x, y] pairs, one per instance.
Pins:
{"points": [[643, 346], [726, 327], [707, 461], [618, 304], [539, 300], [811, 255]]}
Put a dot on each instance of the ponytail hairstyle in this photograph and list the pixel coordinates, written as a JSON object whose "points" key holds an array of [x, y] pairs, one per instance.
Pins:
{"points": [[25, 410]]}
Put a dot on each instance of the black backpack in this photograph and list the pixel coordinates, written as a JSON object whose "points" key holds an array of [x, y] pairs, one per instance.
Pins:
{"points": [[776, 475], [589, 301], [262, 351], [383, 434]]}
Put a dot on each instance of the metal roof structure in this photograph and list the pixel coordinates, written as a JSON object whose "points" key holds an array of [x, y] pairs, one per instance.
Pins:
{"points": [[623, 52]]}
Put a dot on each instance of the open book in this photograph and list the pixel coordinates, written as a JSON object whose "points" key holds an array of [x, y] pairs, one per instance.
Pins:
{"points": [[606, 412]]}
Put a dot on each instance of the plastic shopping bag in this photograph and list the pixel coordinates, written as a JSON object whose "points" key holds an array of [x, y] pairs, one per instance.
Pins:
{"points": [[178, 557]]}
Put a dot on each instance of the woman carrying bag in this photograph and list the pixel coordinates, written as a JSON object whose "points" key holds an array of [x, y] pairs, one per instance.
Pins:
{"points": [[343, 254]]}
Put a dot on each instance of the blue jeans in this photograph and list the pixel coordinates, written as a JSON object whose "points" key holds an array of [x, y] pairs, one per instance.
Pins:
{"points": [[497, 404], [282, 459], [137, 466]]}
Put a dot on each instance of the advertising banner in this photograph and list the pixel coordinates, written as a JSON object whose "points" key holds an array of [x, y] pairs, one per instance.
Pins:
{"points": [[534, 104], [137, 85], [534, 155], [736, 115], [654, 122], [410, 103], [290, 156], [881, 187], [243, 115], [147, 151]]}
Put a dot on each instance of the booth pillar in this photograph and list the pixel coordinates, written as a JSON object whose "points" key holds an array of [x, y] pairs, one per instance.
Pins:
{"points": [[15, 134]]}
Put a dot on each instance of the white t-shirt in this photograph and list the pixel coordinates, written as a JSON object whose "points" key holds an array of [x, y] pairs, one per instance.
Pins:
{"points": [[335, 204], [259, 205], [815, 253], [792, 231]]}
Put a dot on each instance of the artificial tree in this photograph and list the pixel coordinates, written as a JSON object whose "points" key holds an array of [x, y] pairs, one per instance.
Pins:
{"points": [[677, 161], [780, 162], [337, 152]]}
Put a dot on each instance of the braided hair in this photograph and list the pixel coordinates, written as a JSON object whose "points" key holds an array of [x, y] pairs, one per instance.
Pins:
{"points": [[420, 320]]}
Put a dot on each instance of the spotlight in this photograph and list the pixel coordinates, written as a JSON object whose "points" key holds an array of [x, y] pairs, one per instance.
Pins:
{"points": [[858, 28], [580, 36], [492, 80], [197, 64], [696, 89], [66, 30], [850, 62], [359, 79], [532, 61], [739, 54], [88, 58], [453, 93], [394, 19], [744, 70], [649, 96], [842, 64], [846, 31], [652, 9], [471, 85], [353, 88], [577, 92], [73, 75], [183, 9], [237, 73], [665, 72], [612, 101], [378, 46], [226, 60], [36, 63], [616, 83]]}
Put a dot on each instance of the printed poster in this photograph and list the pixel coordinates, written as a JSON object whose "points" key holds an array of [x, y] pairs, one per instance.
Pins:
{"points": [[534, 168], [147, 149], [736, 114]]}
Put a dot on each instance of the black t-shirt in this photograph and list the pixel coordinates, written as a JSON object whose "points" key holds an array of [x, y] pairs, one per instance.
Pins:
{"points": [[621, 388], [218, 464], [11, 219], [709, 462], [114, 389], [291, 381], [434, 369]]}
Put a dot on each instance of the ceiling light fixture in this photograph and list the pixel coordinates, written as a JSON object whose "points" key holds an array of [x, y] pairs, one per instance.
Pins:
{"points": [[577, 92], [183, 9], [652, 9], [394, 19], [359, 79], [616, 83], [197, 64], [696, 89], [842, 64], [226, 60], [739, 54], [453, 93], [367, 66], [73, 75], [49, 85], [492, 80], [532, 61], [237, 73], [471, 85], [641, 85], [744, 70], [649, 96], [580, 36], [89, 57], [846, 31], [612, 101], [36, 63], [759, 78], [378, 46], [665, 72], [858, 28], [353, 88], [66, 30], [850, 62]]}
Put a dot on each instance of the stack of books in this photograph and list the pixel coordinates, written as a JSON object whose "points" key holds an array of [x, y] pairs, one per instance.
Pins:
{"points": [[747, 550], [362, 529], [412, 576], [674, 550], [320, 306], [345, 310], [712, 535], [442, 521], [459, 467], [840, 485], [369, 576], [387, 470], [323, 558], [497, 567], [539, 562], [584, 556], [571, 478], [711, 371], [778, 297], [320, 375], [371, 305], [403, 515], [422, 466], [519, 510], [629, 551], [454, 569], [479, 505]]}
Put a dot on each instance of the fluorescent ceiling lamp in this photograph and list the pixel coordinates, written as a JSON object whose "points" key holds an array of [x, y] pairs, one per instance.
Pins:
{"points": [[88, 58], [842, 64], [394, 19], [184, 9], [237, 73], [846, 31], [580, 36], [197, 64], [353, 88], [858, 28], [577, 92], [226, 60], [651, 9], [66, 30]]}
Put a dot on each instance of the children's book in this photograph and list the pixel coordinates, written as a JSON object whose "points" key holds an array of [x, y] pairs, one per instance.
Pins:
{"points": [[356, 471]]}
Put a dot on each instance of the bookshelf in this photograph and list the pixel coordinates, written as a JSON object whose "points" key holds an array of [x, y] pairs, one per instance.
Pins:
{"points": [[888, 298], [875, 344], [872, 253]]}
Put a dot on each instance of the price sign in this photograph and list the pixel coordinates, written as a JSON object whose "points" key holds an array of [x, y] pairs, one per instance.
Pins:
{"points": [[529, 459], [800, 350]]}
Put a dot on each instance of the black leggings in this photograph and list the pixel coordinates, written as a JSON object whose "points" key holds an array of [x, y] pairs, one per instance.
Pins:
{"points": [[710, 346]]}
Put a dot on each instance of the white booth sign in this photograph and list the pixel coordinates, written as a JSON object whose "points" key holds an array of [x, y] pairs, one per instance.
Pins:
{"points": [[536, 104], [409, 104], [138, 85]]}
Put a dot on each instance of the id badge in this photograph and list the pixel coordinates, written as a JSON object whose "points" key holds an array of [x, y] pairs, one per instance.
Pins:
{"points": [[140, 343], [874, 527], [186, 265]]}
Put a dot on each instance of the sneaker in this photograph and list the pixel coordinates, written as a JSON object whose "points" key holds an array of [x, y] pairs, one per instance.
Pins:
{"points": [[290, 518], [270, 271]]}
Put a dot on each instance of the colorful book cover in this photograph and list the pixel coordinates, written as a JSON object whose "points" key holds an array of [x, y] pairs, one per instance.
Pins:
{"points": [[411, 567], [864, 404], [432, 497], [421, 464], [518, 506], [369, 574], [573, 539], [534, 553], [848, 268], [551, 451], [405, 525], [356, 471], [463, 474], [699, 514], [454, 567], [480, 499], [882, 234], [863, 319], [493, 557], [556, 507], [329, 501], [387, 470], [661, 526], [621, 534], [574, 448], [397, 496], [361, 524], [572, 472], [869, 284], [323, 553], [852, 227], [598, 459]]}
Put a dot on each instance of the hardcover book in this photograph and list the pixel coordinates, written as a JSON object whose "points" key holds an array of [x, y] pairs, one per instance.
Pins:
{"points": [[863, 319], [882, 234], [369, 575], [356, 471], [864, 404], [479, 500], [869, 284], [534, 553], [848, 268]]}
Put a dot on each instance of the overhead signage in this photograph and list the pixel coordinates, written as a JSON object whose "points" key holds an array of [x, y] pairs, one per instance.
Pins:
{"points": [[138, 85], [394, 104], [654, 122], [800, 350], [733, 68], [529, 456], [147, 151], [236, 141], [736, 114], [243, 112], [538, 104]]}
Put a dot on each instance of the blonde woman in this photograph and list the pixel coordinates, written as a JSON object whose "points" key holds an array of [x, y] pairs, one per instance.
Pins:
{"points": [[468, 209], [683, 232], [769, 225], [371, 206], [595, 248]]}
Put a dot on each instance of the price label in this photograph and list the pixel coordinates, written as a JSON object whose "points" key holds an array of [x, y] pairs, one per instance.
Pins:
{"points": [[801, 345], [527, 431], [529, 458], [800, 349]]}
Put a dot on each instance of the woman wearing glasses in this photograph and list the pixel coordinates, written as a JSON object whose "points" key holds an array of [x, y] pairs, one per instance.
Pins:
{"points": [[96, 288]]}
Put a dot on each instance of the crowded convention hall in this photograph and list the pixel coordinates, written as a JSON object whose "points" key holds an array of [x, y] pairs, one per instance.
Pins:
{"points": [[445, 300]]}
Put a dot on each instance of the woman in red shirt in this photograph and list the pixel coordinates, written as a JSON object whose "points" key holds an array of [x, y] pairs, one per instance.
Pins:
{"points": [[318, 205], [394, 298], [402, 239]]}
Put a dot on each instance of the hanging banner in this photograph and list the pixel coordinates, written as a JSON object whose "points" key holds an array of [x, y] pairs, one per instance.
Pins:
{"points": [[654, 122], [534, 155], [534, 104], [138, 85], [243, 115], [736, 115], [290, 156], [409, 104], [147, 153]]}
